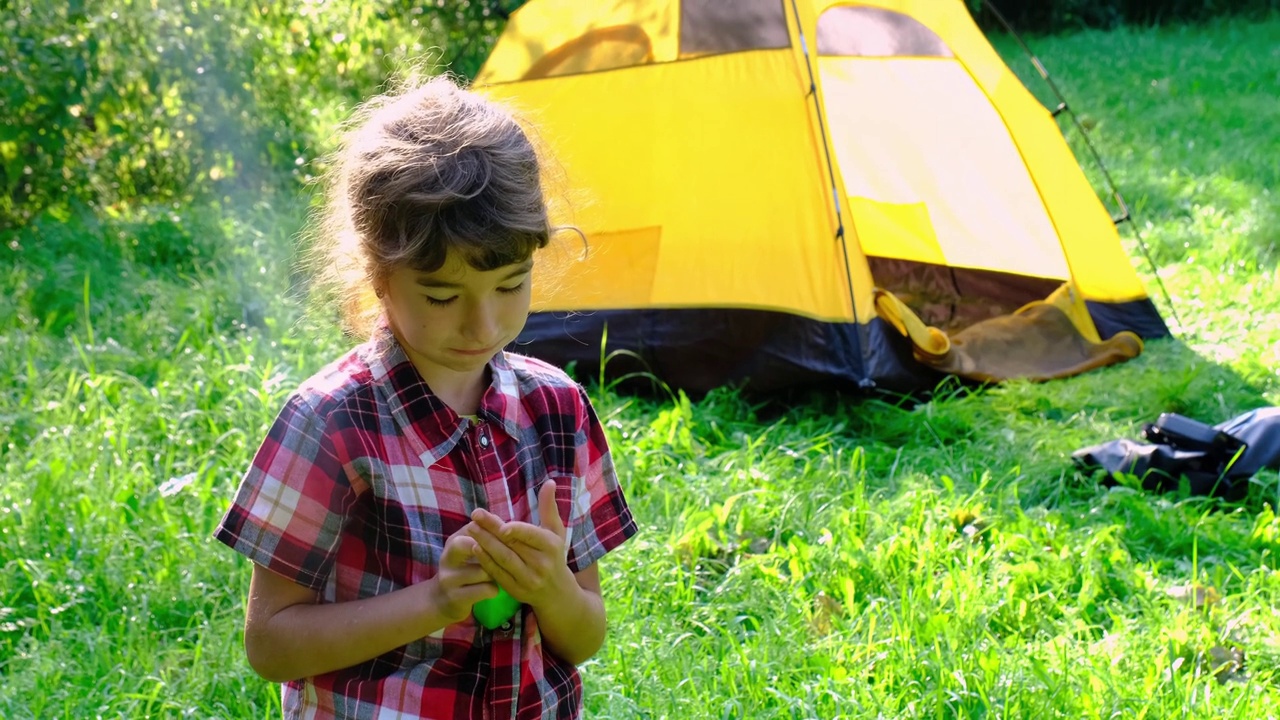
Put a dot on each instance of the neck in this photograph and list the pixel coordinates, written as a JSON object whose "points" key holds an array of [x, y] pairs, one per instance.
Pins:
{"points": [[461, 395], [460, 391]]}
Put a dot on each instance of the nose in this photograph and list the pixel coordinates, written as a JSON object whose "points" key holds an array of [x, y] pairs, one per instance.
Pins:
{"points": [[481, 324]]}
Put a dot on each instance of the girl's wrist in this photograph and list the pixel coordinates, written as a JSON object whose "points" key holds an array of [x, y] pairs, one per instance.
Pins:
{"points": [[435, 614], [565, 592]]}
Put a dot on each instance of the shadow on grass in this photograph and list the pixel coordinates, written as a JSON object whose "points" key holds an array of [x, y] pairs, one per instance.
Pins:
{"points": [[1213, 219], [1013, 444]]}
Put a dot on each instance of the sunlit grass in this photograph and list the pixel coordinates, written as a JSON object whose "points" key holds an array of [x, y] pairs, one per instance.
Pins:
{"points": [[835, 558]]}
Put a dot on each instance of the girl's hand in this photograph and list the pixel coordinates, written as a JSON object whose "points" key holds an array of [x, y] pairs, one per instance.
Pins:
{"points": [[527, 560], [461, 581]]}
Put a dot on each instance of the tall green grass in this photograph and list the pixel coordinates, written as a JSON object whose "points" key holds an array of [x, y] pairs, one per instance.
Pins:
{"points": [[835, 558]]}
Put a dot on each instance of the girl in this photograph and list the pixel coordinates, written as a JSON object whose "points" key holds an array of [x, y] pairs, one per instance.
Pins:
{"points": [[428, 468]]}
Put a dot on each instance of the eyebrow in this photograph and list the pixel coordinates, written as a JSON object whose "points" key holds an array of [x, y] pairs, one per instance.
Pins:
{"points": [[430, 282]]}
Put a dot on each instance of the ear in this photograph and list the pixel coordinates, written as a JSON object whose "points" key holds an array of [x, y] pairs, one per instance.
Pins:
{"points": [[379, 280]]}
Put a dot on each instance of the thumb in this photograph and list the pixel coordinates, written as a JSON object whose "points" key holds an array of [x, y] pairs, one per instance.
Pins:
{"points": [[548, 511]]}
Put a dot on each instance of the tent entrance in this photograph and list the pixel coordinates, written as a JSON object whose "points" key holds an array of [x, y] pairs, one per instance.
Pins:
{"points": [[952, 299], [991, 326]]}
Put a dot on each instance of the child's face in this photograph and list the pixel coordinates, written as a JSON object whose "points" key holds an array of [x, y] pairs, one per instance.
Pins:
{"points": [[454, 320]]}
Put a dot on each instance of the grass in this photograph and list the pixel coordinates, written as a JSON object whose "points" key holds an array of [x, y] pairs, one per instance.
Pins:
{"points": [[834, 558]]}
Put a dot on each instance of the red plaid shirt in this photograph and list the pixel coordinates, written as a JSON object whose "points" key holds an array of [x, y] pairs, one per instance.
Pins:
{"points": [[363, 477]]}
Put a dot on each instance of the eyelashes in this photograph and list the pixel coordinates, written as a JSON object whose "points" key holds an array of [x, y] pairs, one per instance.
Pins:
{"points": [[441, 302]]}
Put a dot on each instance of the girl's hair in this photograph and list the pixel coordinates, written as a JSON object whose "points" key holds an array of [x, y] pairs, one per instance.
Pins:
{"points": [[433, 169]]}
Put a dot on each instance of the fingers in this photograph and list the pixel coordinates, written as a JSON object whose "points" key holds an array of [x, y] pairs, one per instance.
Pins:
{"points": [[501, 576], [459, 550], [548, 535], [457, 601], [495, 550], [472, 594], [520, 569], [515, 553], [470, 574], [487, 520], [517, 533]]}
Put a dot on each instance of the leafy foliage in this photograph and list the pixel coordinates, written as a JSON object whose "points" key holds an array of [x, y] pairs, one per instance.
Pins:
{"points": [[166, 101]]}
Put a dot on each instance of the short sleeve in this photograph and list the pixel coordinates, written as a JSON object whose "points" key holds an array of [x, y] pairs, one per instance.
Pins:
{"points": [[292, 504], [599, 518]]}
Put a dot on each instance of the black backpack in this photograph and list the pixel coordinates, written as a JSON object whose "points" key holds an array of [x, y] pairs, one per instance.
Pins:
{"points": [[1216, 460]]}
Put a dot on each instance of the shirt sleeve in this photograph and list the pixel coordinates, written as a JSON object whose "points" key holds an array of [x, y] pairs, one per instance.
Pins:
{"points": [[599, 518], [292, 503]]}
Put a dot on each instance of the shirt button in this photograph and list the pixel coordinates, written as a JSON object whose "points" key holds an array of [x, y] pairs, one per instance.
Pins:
{"points": [[484, 440]]}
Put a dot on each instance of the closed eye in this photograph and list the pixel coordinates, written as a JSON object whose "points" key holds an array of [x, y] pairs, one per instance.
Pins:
{"points": [[513, 289], [440, 301]]}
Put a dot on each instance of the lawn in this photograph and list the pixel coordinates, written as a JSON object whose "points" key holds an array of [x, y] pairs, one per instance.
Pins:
{"points": [[841, 557]]}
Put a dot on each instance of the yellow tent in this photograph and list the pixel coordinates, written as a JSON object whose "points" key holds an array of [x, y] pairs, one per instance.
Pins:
{"points": [[790, 192]]}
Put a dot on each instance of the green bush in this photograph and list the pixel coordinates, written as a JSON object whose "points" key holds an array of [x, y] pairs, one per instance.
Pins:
{"points": [[167, 101]]}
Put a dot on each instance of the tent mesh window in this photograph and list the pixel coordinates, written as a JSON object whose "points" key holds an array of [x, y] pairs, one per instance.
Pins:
{"points": [[712, 27], [873, 32]]}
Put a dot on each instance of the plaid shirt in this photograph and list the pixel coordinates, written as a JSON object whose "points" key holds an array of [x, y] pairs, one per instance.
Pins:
{"points": [[366, 473]]}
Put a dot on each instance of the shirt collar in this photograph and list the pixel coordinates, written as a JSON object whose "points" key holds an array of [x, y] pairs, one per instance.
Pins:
{"points": [[421, 413], [501, 402]]}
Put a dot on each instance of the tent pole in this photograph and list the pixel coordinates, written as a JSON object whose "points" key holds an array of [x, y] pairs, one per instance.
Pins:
{"points": [[864, 382], [1063, 106]]}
